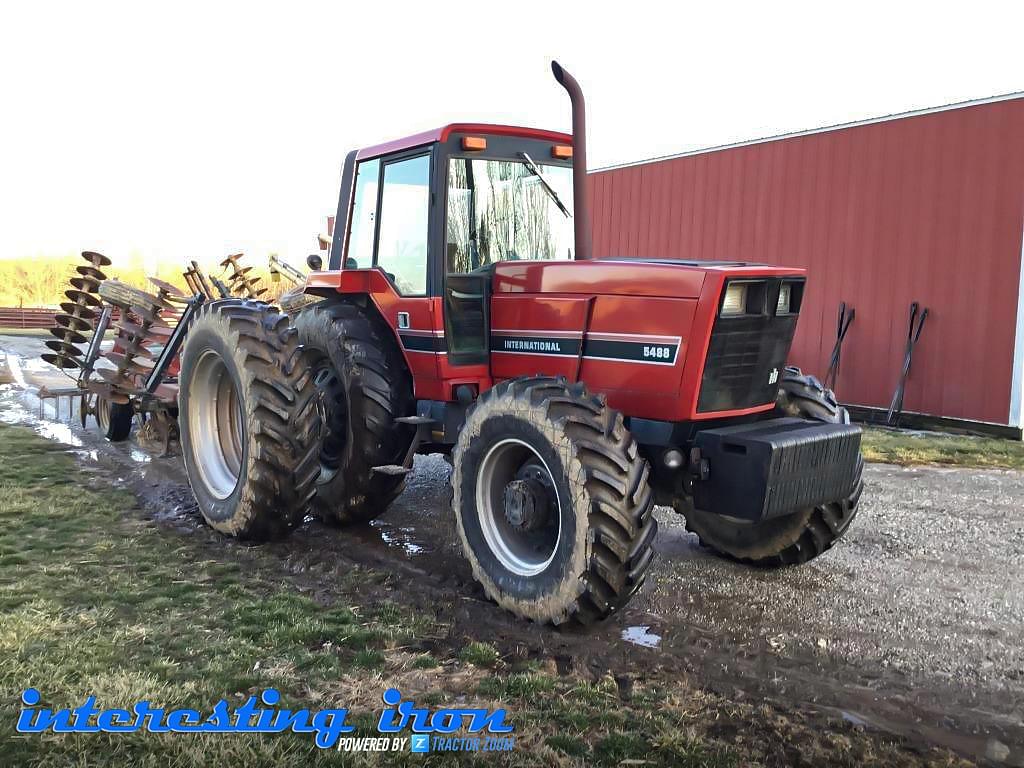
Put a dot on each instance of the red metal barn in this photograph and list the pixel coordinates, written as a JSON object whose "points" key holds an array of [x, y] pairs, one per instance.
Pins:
{"points": [[926, 206]]}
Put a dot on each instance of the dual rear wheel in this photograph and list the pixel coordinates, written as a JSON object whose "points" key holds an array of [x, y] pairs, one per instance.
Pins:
{"points": [[250, 431]]}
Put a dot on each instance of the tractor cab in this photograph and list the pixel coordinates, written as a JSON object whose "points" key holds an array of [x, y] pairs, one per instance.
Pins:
{"points": [[433, 213]]}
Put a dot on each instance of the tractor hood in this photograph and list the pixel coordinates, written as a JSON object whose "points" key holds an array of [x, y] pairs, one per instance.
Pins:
{"points": [[620, 276]]}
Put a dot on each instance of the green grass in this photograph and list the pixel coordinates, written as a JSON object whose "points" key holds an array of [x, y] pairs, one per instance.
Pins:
{"points": [[32, 332], [95, 600], [909, 448], [480, 654]]}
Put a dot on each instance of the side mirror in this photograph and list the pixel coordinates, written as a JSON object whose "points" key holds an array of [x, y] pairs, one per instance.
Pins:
{"points": [[314, 262]]}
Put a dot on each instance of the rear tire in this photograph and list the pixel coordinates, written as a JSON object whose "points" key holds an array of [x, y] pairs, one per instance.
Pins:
{"points": [[363, 387], [248, 420], [589, 551], [801, 536]]}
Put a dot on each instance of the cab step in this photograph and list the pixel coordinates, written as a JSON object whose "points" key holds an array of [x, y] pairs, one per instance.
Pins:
{"points": [[415, 420], [391, 469]]}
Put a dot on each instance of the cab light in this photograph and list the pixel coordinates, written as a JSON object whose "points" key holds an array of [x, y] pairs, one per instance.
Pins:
{"points": [[474, 143], [561, 152]]}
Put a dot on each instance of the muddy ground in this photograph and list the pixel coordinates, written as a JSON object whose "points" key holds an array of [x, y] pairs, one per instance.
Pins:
{"points": [[913, 626]]}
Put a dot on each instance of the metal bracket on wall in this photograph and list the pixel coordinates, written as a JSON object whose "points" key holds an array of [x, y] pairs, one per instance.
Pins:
{"points": [[913, 336], [842, 327]]}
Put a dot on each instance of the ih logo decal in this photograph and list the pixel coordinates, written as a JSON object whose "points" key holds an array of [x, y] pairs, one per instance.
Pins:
{"points": [[773, 377]]}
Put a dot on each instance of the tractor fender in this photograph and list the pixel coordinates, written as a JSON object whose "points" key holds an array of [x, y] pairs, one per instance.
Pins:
{"points": [[368, 288]]}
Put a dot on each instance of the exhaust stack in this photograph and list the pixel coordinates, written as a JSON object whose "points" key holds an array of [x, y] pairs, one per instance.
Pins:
{"points": [[581, 210]]}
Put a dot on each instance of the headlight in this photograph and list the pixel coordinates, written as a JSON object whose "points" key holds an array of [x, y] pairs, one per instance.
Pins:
{"points": [[735, 302], [785, 295]]}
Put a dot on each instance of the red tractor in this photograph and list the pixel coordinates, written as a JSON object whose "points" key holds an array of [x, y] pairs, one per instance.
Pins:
{"points": [[462, 313]]}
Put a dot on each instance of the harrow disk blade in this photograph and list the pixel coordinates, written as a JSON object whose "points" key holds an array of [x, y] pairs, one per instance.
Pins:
{"points": [[170, 318], [232, 259], [83, 298], [60, 361], [79, 311], [136, 347], [148, 315], [68, 335], [83, 408], [113, 394], [130, 363], [133, 331], [118, 379], [91, 272], [96, 259], [160, 333], [64, 349], [87, 284], [73, 322], [168, 288], [166, 392]]}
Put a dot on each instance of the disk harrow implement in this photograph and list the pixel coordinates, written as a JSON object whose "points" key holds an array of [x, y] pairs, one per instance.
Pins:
{"points": [[78, 315], [140, 332], [240, 283], [122, 342]]}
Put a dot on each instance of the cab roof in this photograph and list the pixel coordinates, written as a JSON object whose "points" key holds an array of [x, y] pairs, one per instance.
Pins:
{"points": [[442, 134]]}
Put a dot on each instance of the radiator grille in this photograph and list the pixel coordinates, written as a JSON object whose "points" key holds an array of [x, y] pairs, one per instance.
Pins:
{"points": [[745, 358]]}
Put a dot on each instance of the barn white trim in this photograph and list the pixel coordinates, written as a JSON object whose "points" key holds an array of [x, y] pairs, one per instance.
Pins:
{"points": [[1017, 387]]}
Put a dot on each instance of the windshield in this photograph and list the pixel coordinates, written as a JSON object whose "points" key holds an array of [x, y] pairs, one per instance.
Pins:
{"points": [[499, 210]]}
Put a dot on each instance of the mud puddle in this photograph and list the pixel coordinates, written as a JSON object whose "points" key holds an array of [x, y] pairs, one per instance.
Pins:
{"points": [[741, 633]]}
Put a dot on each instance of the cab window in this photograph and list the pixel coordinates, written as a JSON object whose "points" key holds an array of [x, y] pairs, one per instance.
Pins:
{"points": [[364, 214], [404, 218], [500, 210]]}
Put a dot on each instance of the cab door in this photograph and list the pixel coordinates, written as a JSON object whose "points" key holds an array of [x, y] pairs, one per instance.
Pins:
{"points": [[401, 250]]}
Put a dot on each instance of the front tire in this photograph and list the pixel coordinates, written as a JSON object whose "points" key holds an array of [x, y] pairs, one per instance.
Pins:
{"points": [[552, 502], [793, 539], [248, 420]]}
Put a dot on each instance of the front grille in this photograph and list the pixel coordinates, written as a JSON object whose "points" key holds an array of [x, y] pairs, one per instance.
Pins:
{"points": [[745, 360]]}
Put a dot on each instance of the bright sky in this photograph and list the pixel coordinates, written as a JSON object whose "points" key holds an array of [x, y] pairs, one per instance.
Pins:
{"points": [[184, 129]]}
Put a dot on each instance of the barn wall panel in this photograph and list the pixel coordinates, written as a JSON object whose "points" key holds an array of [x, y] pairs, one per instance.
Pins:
{"points": [[926, 208]]}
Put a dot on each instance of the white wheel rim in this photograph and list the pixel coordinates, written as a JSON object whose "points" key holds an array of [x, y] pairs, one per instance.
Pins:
{"points": [[103, 413], [215, 425], [522, 554]]}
